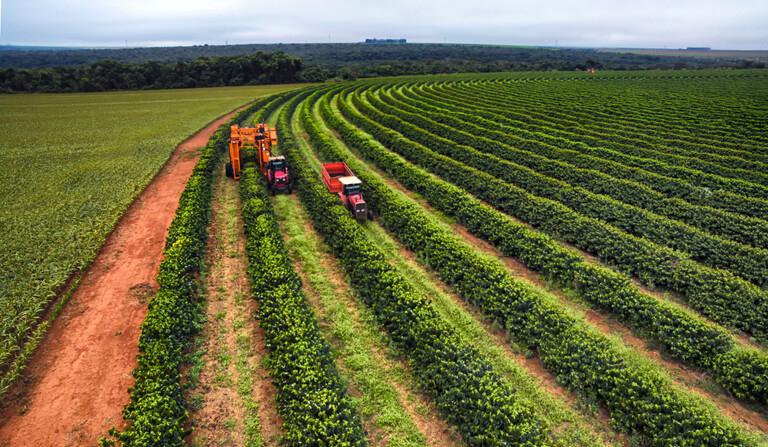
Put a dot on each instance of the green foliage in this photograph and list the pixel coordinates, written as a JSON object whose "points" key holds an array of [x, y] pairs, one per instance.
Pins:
{"points": [[108, 75], [465, 388], [157, 413], [705, 190], [70, 165], [638, 399], [716, 293], [464, 126], [688, 338], [312, 398]]}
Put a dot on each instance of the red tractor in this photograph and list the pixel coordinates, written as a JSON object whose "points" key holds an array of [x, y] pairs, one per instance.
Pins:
{"points": [[277, 175], [339, 179]]}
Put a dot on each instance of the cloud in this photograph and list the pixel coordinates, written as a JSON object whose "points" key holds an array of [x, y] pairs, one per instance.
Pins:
{"points": [[736, 24]]}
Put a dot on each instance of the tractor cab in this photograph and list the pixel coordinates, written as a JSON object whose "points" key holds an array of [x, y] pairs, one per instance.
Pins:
{"points": [[352, 192], [277, 164], [277, 174]]}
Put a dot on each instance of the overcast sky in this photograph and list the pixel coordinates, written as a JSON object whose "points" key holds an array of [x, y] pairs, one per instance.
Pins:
{"points": [[720, 24]]}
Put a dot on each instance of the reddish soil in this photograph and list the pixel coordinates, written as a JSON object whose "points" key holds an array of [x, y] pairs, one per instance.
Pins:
{"points": [[230, 313], [76, 384]]}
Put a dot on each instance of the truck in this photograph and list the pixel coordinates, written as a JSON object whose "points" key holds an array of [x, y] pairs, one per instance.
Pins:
{"points": [[340, 180]]}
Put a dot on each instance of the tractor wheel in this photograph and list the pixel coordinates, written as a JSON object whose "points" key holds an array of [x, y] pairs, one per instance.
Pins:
{"points": [[370, 215], [290, 189], [229, 171], [272, 188]]}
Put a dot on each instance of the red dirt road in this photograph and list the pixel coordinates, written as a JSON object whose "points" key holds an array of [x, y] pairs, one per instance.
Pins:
{"points": [[82, 371]]}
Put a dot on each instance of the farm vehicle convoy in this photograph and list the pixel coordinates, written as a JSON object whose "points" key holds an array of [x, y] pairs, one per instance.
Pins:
{"points": [[260, 139], [337, 176]]}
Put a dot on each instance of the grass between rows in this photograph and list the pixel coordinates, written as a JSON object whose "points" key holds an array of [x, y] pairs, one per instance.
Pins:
{"points": [[223, 366], [361, 350]]}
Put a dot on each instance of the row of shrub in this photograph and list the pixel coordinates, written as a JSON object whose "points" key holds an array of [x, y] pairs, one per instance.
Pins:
{"points": [[157, 413], [719, 129], [637, 148], [689, 339], [579, 154], [312, 398], [493, 138], [639, 399], [648, 110], [718, 294], [742, 260], [466, 390]]}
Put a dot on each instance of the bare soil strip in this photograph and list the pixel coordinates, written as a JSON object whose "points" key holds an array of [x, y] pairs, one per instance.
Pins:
{"points": [[76, 385], [234, 401]]}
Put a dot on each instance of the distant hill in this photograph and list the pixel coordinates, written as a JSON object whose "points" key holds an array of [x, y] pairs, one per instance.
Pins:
{"points": [[696, 53], [335, 56]]}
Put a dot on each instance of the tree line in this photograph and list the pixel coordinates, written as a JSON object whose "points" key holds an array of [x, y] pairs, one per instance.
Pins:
{"points": [[323, 63], [106, 75]]}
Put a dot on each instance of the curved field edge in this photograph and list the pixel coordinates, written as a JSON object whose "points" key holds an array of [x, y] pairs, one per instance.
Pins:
{"points": [[62, 192]]}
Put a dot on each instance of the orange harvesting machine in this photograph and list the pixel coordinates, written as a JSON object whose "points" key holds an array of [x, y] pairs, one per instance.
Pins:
{"points": [[260, 140]]}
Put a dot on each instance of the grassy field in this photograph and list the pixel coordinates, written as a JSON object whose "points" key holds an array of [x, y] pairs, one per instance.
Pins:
{"points": [[70, 164]]}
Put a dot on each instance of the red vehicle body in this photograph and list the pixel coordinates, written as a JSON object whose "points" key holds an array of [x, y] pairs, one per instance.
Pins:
{"points": [[340, 180], [277, 174]]}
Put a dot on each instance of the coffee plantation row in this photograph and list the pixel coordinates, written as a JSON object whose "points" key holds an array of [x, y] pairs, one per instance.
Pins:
{"points": [[373, 118], [717, 293]]}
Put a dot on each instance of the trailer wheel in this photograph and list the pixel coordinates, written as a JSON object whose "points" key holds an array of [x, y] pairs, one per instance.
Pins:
{"points": [[229, 171]]}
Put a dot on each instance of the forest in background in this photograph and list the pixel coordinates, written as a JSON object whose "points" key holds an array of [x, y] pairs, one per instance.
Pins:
{"points": [[87, 70]]}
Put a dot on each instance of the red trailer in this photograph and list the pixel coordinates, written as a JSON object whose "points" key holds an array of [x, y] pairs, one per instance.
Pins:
{"points": [[340, 180]]}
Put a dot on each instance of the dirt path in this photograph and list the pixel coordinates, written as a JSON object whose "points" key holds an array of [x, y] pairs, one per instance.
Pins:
{"points": [[234, 400], [76, 385]]}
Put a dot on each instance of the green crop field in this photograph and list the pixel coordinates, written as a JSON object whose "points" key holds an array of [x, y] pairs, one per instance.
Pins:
{"points": [[554, 259], [70, 164], [588, 181]]}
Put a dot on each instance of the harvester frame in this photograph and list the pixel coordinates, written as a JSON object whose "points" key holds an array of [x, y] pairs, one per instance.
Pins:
{"points": [[260, 138]]}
